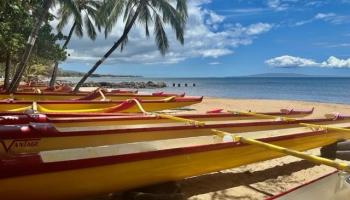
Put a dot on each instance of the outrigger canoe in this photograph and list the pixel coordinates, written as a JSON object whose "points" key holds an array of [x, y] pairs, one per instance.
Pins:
{"points": [[94, 95], [84, 106], [87, 172], [107, 119], [283, 112], [333, 186], [35, 137]]}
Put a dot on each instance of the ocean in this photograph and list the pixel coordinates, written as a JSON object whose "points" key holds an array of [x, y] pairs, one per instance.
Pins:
{"points": [[319, 89]]}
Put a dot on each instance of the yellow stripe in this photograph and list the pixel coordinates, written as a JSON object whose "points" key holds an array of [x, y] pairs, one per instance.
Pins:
{"points": [[263, 115], [22, 109], [94, 110], [180, 119]]}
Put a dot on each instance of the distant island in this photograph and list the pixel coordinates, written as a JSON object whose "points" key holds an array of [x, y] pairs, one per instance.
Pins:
{"points": [[71, 73], [280, 75]]}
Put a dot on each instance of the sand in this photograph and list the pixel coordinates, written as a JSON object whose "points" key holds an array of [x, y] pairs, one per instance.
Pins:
{"points": [[263, 179]]}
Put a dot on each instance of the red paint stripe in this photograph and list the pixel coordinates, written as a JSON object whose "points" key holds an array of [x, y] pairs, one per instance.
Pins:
{"points": [[26, 164]]}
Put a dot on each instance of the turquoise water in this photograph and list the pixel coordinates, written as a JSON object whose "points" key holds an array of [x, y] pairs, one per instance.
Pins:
{"points": [[320, 89]]}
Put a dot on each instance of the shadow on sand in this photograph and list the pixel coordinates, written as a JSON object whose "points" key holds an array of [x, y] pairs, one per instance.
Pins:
{"points": [[221, 181], [214, 183]]}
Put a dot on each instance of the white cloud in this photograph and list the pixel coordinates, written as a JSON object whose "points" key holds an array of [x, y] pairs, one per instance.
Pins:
{"points": [[214, 63], [339, 45], [207, 36], [292, 61], [324, 15], [277, 5], [259, 28], [327, 17]]}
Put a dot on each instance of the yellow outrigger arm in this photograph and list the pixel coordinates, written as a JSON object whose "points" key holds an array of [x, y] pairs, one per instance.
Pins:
{"points": [[263, 115], [312, 126], [312, 158], [325, 127], [165, 116]]}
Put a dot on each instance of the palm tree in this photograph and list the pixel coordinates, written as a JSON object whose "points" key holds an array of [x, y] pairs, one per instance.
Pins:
{"points": [[29, 46], [159, 12], [7, 71], [84, 12]]}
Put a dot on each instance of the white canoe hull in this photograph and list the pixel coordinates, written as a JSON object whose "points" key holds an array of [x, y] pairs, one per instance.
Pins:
{"points": [[334, 186]]}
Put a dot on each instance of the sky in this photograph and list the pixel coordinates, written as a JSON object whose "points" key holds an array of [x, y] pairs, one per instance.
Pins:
{"points": [[226, 38]]}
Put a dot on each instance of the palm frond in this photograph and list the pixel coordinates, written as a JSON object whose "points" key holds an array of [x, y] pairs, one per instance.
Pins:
{"points": [[129, 6], [79, 30], [72, 7], [64, 16], [145, 17], [109, 13], [90, 28], [160, 35], [174, 18], [181, 7]]}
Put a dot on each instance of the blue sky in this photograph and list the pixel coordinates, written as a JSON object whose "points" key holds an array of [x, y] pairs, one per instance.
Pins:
{"points": [[234, 38]]}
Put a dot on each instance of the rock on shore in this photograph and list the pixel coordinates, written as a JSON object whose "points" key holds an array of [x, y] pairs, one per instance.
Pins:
{"points": [[131, 84]]}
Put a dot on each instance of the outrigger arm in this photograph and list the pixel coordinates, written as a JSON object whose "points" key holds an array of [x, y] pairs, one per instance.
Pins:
{"points": [[312, 158]]}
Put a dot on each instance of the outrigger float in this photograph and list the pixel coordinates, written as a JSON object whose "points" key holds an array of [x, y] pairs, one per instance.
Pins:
{"points": [[85, 106], [90, 171]]}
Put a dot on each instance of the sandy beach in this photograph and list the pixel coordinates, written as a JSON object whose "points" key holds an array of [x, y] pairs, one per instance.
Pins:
{"points": [[263, 179]]}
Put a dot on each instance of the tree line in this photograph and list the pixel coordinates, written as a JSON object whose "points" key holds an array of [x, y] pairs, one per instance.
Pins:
{"points": [[28, 40]]}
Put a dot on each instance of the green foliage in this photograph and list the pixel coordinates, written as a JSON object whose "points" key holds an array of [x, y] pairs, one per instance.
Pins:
{"points": [[158, 12], [17, 19], [83, 13], [15, 22], [46, 49]]}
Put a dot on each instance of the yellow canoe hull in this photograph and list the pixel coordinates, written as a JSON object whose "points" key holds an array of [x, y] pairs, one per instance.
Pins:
{"points": [[105, 178], [96, 106]]}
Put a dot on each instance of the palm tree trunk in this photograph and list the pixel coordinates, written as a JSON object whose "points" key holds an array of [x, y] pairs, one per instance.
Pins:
{"points": [[7, 71], [55, 68], [109, 52], [29, 47]]}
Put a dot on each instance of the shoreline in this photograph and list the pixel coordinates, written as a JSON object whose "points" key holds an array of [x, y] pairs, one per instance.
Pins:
{"points": [[291, 100], [263, 105]]}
